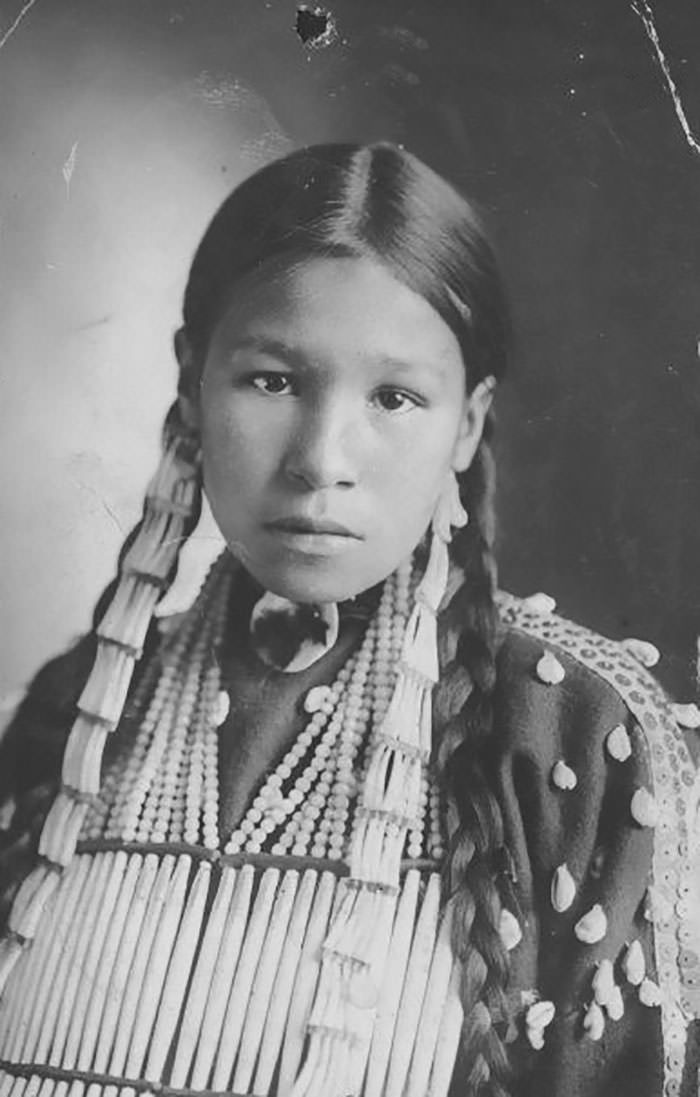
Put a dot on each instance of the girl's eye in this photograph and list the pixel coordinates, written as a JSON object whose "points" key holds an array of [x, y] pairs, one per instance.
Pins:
{"points": [[272, 384], [395, 400]]}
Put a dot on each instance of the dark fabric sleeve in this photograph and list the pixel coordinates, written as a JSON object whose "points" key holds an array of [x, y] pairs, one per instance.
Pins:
{"points": [[32, 745], [590, 829]]}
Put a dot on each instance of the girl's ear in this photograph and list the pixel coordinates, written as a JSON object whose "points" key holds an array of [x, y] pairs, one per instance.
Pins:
{"points": [[188, 380], [476, 408]]}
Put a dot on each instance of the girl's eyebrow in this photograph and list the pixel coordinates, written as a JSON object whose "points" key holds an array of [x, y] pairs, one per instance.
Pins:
{"points": [[276, 348], [296, 356]]}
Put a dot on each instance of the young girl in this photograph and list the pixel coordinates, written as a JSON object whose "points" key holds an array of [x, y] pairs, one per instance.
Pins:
{"points": [[355, 822]]}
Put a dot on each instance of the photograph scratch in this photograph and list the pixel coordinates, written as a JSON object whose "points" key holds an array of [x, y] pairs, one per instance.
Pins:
{"points": [[101, 500], [11, 30], [69, 167], [643, 9]]}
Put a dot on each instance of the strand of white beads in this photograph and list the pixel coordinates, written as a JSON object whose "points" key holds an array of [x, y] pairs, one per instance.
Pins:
{"points": [[210, 785], [130, 792], [201, 793], [314, 811], [148, 782], [271, 806], [436, 840], [368, 698]]}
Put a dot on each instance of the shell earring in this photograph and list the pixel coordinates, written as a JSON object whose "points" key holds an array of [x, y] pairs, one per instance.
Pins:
{"points": [[449, 512]]}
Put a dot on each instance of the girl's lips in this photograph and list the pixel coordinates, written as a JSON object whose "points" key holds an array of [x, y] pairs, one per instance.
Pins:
{"points": [[309, 526], [326, 539]]}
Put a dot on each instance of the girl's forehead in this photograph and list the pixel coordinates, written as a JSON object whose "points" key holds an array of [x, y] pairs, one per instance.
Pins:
{"points": [[351, 305]]}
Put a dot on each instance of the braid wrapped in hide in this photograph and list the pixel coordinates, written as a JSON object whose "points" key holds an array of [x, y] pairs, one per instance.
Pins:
{"points": [[463, 716], [31, 749]]}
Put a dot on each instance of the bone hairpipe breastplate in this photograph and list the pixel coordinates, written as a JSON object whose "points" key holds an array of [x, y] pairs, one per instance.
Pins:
{"points": [[169, 969]]}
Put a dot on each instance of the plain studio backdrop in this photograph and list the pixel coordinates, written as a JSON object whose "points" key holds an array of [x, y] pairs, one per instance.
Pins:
{"points": [[123, 123]]}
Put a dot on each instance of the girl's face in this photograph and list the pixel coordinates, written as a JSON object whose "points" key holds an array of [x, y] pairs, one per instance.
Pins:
{"points": [[332, 407]]}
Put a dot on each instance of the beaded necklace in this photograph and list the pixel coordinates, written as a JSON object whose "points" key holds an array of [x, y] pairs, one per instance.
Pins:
{"points": [[367, 744], [165, 786]]}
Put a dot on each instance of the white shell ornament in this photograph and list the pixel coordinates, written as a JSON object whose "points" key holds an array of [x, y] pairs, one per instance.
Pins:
{"points": [[649, 993], [615, 1006], [618, 744], [643, 651], [316, 698], [537, 1018], [509, 930], [603, 982], [540, 1014], [563, 776], [644, 808], [633, 964], [563, 890], [593, 926], [540, 603], [688, 716], [594, 1021], [291, 636], [549, 670], [449, 511], [222, 707], [535, 1037]]}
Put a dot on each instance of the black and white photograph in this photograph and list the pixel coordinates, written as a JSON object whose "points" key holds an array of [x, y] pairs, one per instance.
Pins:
{"points": [[350, 501]]}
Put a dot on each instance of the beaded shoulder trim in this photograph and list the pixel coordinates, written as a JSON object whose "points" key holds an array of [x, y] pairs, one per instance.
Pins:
{"points": [[675, 892]]}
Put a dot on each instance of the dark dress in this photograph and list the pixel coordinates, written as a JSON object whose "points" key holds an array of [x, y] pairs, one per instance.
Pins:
{"points": [[566, 801]]}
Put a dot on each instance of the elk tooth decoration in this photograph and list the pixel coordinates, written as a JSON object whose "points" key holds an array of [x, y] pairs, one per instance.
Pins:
{"points": [[563, 890], [688, 716], [509, 930], [633, 964], [594, 1022], [618, 744], [538, 1016], [593, 926], [649, 993], [603, 982], [644, 808], [549, 670], [615, 1006], [222, 708], [563, 776], [317, 698], [540, 603], [644, 652]]}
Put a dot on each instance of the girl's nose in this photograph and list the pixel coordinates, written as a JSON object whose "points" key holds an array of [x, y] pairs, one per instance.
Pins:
{"points": [[322, 452]]}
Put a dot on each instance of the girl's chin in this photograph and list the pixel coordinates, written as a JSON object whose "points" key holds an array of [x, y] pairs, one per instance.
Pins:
{"points": [[313, 593], [309, 587]]}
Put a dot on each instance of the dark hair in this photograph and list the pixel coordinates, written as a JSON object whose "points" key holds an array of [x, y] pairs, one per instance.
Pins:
{"points": [[378, 201], [345, 201]]}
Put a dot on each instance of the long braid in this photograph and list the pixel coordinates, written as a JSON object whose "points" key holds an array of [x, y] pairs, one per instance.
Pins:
{"points": [[173, 426], [465, 718], [33, 744], [32, 747]]}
